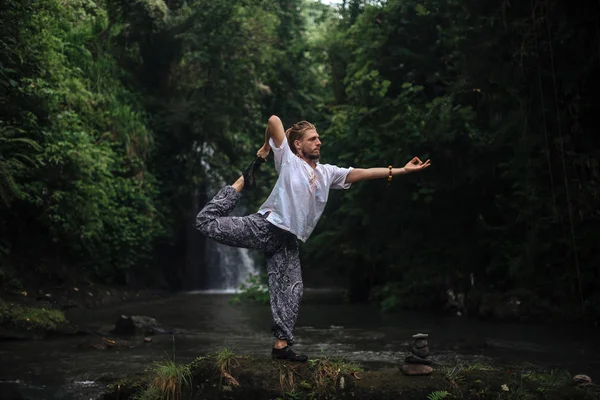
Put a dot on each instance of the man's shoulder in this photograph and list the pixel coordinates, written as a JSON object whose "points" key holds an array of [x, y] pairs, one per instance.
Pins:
{"points": [[330, 167]]}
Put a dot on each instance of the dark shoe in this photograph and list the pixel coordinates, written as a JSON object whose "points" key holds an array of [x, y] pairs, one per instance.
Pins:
{"points": [[286, 353], [249, 179]]}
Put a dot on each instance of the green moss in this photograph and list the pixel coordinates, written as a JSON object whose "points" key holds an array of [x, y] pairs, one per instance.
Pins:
{"points": [[30, 318]]}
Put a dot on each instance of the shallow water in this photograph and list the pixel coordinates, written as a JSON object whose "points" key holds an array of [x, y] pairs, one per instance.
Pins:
{"points": [[69, 368]]}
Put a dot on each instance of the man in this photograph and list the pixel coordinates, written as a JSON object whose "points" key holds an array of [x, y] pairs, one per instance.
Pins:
{"points": [[291, 212]]}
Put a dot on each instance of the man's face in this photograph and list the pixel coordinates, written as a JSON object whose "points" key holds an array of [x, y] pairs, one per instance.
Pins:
{"points": [[310, 145]]}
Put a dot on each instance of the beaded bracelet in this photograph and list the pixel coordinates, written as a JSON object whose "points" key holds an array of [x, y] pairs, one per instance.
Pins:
{"points": [[390, 176]]}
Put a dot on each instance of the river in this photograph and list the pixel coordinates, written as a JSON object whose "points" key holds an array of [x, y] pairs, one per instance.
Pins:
{"points": [[70, 368]]}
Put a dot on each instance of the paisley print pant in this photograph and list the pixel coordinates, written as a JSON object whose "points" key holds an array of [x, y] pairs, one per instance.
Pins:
{"points": [[281, 248]]}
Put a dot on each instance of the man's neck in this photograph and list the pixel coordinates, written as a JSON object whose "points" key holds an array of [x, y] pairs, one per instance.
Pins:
{"points": [[312, 163]]}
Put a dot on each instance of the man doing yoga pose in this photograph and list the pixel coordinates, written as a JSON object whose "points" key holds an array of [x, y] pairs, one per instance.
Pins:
{"points": [[291, 212]]}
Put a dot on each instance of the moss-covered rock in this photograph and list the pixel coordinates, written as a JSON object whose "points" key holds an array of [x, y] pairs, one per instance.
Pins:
{"points": [[21, 322]]}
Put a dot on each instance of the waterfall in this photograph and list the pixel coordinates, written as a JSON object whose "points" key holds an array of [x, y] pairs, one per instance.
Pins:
{"points": [[226, 267]]}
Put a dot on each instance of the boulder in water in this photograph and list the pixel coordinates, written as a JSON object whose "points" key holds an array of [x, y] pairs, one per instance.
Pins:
{"points": [[136, 325]]}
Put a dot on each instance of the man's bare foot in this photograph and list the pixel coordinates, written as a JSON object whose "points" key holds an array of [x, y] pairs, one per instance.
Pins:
{"points": [[239, 184], [263, 152]]}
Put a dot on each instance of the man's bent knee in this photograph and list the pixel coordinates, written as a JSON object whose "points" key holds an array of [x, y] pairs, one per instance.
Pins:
{"points": [[203, 223]]}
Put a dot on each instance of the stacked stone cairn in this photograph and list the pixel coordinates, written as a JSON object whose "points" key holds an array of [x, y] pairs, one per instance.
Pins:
{"points": [[417, 362]]}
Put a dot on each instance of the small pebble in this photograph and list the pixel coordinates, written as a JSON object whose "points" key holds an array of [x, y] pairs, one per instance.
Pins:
{"points": [[421, 336], [147, 339]]}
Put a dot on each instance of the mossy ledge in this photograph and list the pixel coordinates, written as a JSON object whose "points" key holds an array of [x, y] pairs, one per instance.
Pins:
{"points": [[22, 322], [228, 376]]}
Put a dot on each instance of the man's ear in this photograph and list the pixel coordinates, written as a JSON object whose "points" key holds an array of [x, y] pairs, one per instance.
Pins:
{"points": [[297, 144]]}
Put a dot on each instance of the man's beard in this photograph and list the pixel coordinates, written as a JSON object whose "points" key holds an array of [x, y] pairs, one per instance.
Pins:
{"points": [[311, 157]]}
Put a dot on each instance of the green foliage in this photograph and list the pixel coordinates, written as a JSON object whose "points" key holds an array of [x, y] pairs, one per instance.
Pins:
{"points": [[115, 112], [15, 158], [118, 118], [548, 380], [438, 395], [254, 291], [167, 382], [73, 148], [225, 359], [474, 87]]}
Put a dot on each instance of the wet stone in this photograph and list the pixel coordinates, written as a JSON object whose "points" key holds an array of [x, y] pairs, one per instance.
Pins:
{"points": [[345, 384], [412, 359], [582, 380], [420, 343], [416, 369], [421, 336], [423, 352]]}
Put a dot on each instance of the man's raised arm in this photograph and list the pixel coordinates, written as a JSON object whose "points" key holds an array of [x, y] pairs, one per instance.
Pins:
{"points": [[360, 174], [274, 130]]}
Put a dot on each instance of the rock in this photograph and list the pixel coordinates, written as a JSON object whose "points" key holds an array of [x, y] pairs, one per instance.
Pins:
{"points": [[420, 343], [142, 322], [421, 336], [345, 383], [416, 369], [124, 326], [423, 352], [582, 380], [147, 339], [136, 325], [412, 359]]}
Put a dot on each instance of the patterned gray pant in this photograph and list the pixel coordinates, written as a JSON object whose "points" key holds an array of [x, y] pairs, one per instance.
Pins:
{"points": [[281, 248]]}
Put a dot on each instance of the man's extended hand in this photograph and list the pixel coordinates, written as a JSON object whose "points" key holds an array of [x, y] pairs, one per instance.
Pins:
{"points": [[416, 165]]}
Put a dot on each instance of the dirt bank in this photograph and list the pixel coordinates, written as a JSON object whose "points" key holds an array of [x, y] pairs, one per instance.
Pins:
{"points": [[227, 376]]}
